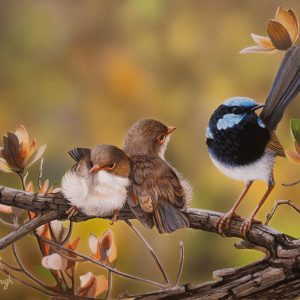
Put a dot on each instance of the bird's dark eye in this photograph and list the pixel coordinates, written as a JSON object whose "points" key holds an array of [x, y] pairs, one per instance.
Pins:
{"points": [[161, 138], [235, 109], [111, 166]]}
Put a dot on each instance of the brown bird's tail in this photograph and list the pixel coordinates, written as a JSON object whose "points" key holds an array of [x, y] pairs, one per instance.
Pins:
{"points": [[167, 218], [285, 88]]}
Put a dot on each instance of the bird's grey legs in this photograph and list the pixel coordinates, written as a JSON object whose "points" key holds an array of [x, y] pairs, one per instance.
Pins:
{"points": [[225, 220], [247, 224]]}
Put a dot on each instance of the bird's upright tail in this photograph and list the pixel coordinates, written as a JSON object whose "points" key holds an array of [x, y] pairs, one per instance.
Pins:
{"points": [[167, 218], [284, 89]]}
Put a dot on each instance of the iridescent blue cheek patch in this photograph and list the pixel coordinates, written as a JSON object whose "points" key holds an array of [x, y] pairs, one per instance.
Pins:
{"points": [[229, 120]]}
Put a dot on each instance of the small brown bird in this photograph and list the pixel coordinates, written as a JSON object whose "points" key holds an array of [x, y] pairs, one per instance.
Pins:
{"points": [[157, 195], [97, 183]]}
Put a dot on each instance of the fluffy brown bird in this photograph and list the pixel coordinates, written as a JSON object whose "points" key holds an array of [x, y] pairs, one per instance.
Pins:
{"points": [[97, 183], [157, 194]]}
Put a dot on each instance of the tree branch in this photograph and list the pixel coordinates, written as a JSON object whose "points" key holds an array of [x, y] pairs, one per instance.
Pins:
{"points": [[275, 277]]}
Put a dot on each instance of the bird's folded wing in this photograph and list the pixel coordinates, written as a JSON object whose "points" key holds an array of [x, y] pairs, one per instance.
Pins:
{"points": [[154, 180], [275, 146]]}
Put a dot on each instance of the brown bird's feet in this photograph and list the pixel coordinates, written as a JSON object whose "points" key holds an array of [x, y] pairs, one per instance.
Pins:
{"points": [[247, 225], [115, 217], [71, 212], [224, 222]]}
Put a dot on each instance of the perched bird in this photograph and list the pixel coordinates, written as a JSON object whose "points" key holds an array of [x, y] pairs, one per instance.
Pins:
{"points": [[97, 183], [157, 194], [243, 145]]}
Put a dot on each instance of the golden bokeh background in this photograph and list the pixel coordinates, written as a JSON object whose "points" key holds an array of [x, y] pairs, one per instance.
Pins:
{"points": [[79, 73]]}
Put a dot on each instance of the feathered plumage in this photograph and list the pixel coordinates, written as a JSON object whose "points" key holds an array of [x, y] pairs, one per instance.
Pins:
{"points": [[97, 183], [285, 88], [157, 195]]}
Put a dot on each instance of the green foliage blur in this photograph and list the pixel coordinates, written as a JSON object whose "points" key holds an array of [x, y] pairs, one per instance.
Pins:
{"points": [[79, 73]]}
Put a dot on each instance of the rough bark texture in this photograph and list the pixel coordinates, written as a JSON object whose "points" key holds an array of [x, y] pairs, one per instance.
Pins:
{"points": [[275, 277]]}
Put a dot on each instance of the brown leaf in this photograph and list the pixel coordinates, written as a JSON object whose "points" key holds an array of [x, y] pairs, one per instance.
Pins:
{"points": [[86, 283], [293, 15], [23, 138], [279, 36], [107, 242], [287, 20]]}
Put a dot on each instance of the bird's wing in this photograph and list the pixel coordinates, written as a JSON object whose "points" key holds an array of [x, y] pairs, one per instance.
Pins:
{"points": [[284, 89], [275, 146], [153, 179], [79, 153], [156, 190]]}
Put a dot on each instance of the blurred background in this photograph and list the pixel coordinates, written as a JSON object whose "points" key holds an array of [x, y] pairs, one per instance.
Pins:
{"points": [[79, 73]]}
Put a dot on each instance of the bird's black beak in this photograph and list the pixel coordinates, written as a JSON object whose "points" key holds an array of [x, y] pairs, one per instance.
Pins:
{"points": [[258, 106]]}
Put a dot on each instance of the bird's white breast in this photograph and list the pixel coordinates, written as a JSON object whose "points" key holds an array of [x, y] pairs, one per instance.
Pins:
{"points": [[260, 169], [97, 195]]}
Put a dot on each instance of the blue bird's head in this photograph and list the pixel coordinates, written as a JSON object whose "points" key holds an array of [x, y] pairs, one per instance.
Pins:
{"points": [[233, 112]]}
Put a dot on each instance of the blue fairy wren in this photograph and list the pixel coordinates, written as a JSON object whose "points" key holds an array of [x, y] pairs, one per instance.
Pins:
{"points": [[243, 144]]}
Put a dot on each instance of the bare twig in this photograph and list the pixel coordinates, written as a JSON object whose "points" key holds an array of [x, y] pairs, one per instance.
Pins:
{"points": [[68, 234], [181, 262], [116, 271], [275, 206], [109, 289], [28, 227], [10, 266], [64, 280], [26, 272], [40, 173], [73, 280], [60, 252], [154, 255], [7, 223], [23, 177], [27, 284], [66, 237], [292, 183]]}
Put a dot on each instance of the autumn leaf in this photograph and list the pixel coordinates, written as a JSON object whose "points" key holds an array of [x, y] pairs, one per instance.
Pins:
{"points": [[283, 33], [94, 285], [18, 153], [103, 248], [54, 262]]}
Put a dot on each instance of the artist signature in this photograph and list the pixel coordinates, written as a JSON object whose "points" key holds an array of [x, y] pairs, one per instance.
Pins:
{"points": [[6, 282]]}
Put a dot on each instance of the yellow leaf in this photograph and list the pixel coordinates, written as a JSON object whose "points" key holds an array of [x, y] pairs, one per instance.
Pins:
{"points": [[29, 187], [287, 20], [293, 15], [108, 243], [4, 167], [263, 41], [293, 156], [100, 285]]}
